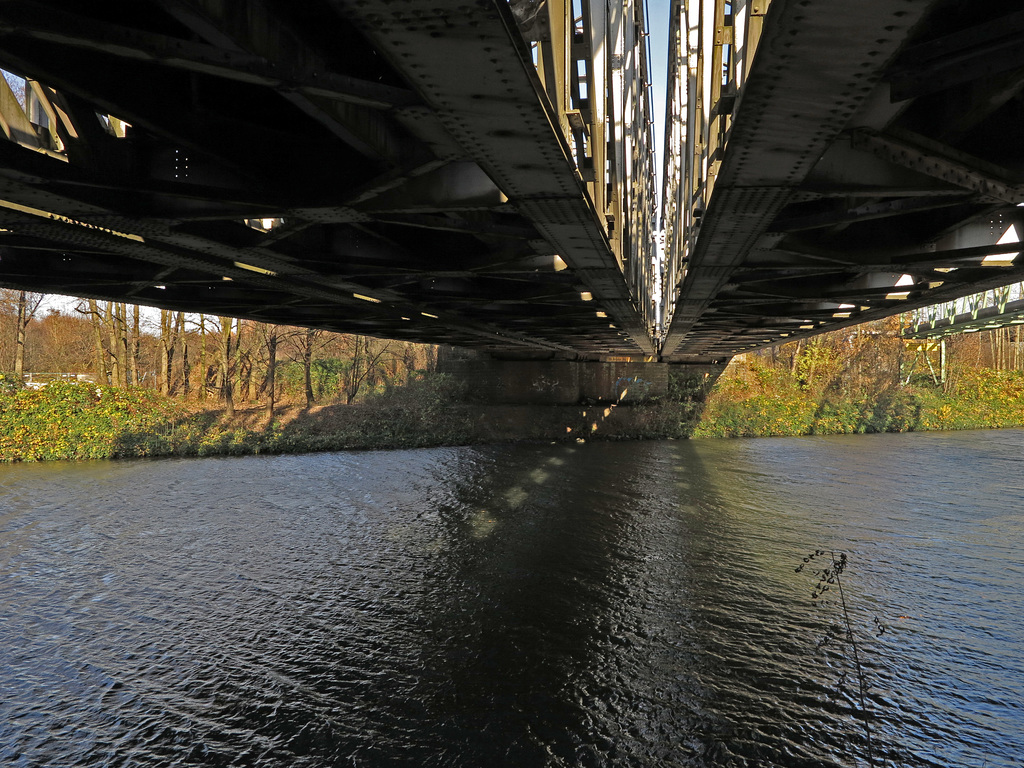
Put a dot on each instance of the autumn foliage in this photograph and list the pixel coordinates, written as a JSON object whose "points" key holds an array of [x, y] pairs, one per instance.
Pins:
{"points": [[868, 379]]}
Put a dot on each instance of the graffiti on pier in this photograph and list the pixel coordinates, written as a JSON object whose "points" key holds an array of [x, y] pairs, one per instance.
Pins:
{"points": [[544, 384], [631, 388]]}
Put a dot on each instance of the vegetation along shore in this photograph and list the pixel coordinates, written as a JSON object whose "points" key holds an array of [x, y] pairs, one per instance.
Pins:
{"points": [[208, 386]]}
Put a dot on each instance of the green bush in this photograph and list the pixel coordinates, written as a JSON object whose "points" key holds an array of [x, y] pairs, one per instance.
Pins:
{"points": [[757, 404], [837, 418], [327, 377], [416, 414], [896, 410], [71, 420], [783, 414], [980, 399], [9, 383]]}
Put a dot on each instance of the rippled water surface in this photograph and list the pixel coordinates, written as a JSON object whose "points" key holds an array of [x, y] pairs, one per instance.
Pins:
{"points": [[626, 604]]}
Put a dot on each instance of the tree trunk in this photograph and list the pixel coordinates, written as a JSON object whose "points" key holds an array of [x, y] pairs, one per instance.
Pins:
{"points": [[409, 361], [354, 376], [166, 351], [307, 366], [243, 367], [133, 350], [97, 338], [225, 362], [202, 357], [122, 343], [796, 357], [19, 344], [179, 332], [112, 339], [28, 303], [271, 370]]}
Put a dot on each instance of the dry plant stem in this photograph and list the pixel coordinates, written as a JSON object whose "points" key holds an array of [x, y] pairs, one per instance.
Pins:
{"points": [[861, 681]]}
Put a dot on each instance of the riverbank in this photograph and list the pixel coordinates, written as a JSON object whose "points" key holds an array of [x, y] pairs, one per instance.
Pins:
{"points": [[81, 421], [767, 403], [72, 421]]}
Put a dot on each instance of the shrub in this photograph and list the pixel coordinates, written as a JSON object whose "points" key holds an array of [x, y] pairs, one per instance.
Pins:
{"points": [[416, 414], [752, 403], [837, 418], [72, 420], [784, 414]]}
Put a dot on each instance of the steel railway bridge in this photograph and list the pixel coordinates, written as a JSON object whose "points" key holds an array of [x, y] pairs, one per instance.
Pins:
{"points": [[481, 172]]}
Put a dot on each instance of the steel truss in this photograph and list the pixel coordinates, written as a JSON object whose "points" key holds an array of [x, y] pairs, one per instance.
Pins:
{"points": [[473, 174], [996, 308], [830, 163]]}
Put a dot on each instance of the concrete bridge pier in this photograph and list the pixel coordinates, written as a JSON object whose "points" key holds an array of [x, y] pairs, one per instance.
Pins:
{"points": [[575, 382]]}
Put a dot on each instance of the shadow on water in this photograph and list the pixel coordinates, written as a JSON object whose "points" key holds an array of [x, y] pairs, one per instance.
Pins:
{"points": [[597, 606], [530, 643]]}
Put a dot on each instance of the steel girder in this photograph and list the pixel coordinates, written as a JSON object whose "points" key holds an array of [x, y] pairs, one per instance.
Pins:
{"points": [[435, 172], [980, 311], [863, 163]]}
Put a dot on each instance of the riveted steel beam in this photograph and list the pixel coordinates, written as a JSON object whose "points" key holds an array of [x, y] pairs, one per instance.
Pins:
{"points": [[962, 174], [23, 20], [980, 51], [274, 160], [823, 186]]}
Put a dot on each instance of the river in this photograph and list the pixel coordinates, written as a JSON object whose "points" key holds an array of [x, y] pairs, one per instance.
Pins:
{"points": [[602, 604]]}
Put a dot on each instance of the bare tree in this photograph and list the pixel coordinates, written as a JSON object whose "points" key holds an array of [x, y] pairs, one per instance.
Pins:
{"points": [[306, 344], [167, 345], [225, 371], [60, 342], [113, 338], [27, 304], [366, 359], [133, 349], [308, 340], [272, 332], [179, 332], [202, 357], [243, 362], [99, 350]]}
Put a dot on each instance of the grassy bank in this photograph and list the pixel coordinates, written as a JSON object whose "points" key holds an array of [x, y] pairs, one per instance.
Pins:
{"points": [[68, 420], [82, 421], [765, 402]]}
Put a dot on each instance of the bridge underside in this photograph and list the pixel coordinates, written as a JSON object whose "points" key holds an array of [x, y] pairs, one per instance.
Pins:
{"points": [[871, 161], [461, 172], [382, 167]]}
